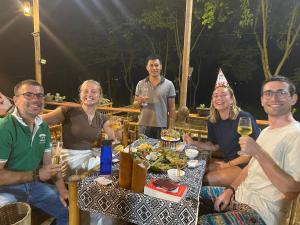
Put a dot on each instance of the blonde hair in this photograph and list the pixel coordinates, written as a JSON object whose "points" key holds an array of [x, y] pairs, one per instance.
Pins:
{"points": [[234, 110], [91, 81]]}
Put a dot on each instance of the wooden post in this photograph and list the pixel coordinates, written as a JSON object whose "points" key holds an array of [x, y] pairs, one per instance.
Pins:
{"points": [[186, 52], [36, 39], [125, 132], [73, 199]]}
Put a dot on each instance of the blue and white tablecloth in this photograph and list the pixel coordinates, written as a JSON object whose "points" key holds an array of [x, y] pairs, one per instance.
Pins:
{"points": [[143, 209]]}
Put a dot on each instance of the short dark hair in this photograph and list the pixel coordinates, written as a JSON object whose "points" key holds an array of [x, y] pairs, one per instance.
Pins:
{"points": [[292, 87], [153, 57], [26, 82]]}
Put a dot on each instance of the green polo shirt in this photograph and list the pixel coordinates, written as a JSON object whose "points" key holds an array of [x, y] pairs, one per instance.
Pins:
{"points": [[21, 149]]}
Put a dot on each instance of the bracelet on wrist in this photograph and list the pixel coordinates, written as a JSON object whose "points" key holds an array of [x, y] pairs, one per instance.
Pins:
{"points": [[231, 188]]}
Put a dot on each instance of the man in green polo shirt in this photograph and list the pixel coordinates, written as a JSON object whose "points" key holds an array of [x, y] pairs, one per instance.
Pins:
{"points": [[25, 156]]}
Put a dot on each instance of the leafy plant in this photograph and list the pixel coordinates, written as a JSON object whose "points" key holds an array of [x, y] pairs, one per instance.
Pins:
{"points": [[202, 106], [49, 97], [59, 98]]}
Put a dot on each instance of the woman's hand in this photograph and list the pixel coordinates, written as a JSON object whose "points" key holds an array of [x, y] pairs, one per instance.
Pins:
{"points": [[4, 103], [187, 139]]}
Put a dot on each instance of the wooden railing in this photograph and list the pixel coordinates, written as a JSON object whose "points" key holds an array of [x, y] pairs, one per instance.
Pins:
{"points": [[195, 124], [130, 110]]}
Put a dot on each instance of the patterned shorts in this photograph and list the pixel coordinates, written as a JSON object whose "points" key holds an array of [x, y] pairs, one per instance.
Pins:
{"points": [[235, 214]]}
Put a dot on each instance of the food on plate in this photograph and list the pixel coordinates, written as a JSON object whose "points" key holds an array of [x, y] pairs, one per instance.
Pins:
{"points": [[176, 159], [170, 135], [119, 148], [168, 160], [153, 156], [144, 146], [160, 167]]}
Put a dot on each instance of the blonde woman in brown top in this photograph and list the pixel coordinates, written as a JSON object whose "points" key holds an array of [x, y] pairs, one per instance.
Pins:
{"points": [[82, 126]]}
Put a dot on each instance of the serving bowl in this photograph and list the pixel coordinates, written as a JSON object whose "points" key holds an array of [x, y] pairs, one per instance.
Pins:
{"points": [[174, 175], [193, 163], [191, 153]]}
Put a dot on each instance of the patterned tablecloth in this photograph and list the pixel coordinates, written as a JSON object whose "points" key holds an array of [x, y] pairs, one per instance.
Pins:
{"points": [[139, 208]]}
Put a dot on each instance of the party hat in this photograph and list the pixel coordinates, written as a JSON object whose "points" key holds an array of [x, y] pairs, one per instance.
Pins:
{"points": [[221, 80]]}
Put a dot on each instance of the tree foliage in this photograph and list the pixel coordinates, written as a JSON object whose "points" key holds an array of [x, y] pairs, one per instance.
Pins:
{"points": [[272, 30]]}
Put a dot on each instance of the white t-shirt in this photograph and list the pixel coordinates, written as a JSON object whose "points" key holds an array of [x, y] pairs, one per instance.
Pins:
{"points": [[257, 191]]}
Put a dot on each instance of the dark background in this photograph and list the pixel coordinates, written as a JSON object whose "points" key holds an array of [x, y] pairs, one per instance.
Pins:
{"points": [[76, 40]]}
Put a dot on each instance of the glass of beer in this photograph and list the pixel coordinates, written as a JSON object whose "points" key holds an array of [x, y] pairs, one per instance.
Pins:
{"points": [[145, 94], [244, 128], [115, 122], [56, 149]]}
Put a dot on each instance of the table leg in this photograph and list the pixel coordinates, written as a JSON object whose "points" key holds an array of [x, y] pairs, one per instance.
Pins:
{"points": [[73, 199]]}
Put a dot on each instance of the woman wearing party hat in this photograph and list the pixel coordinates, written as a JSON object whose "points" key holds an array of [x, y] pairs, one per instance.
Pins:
{"points": [[222, 135]]}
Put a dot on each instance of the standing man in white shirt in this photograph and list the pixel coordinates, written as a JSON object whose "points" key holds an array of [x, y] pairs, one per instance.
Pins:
{"points": [[264, 191]]}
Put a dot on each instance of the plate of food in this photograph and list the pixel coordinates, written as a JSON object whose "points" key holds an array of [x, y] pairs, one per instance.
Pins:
{"points": [[170, 135], [168, 160]]}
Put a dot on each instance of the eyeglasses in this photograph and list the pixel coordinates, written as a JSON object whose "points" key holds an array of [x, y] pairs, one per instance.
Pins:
{"points": [[30, 95], [281, 93]]}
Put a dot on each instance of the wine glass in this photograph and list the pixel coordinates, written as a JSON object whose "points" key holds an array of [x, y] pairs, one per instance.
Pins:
{"points": [[145, 94], [244, 129]]}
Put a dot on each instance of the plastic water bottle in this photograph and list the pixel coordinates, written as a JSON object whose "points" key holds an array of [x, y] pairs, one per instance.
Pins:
{"points": [[106, 157]]}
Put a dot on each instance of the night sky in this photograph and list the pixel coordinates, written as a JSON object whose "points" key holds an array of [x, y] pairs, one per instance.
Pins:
{"points": [[64, 70]]}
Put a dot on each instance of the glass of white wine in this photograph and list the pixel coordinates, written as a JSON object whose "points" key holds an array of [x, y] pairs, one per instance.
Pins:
{"points": [[244, 128]]}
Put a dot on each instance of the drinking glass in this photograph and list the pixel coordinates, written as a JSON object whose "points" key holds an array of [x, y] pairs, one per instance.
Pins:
{"points": [[115, 122], [145, 94], [56, 149], [244, 128]]}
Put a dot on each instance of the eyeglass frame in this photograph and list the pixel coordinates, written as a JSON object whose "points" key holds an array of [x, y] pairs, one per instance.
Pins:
{"points": [[29, 95], [280, 93]]}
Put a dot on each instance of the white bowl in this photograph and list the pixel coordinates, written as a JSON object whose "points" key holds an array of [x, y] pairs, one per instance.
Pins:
{"points": [[193, 163], [191, 153], [172, 174]]}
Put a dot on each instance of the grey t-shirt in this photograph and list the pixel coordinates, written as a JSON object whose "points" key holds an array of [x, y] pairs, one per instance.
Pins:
{"points": [[155, 113]]}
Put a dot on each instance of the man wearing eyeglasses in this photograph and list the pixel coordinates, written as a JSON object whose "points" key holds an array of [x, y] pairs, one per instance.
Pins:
{"points": [[264, 191], [25, 156]]}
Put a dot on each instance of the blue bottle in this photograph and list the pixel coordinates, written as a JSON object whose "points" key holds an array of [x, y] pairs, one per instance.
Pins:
{"points": [[106, 157]]}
